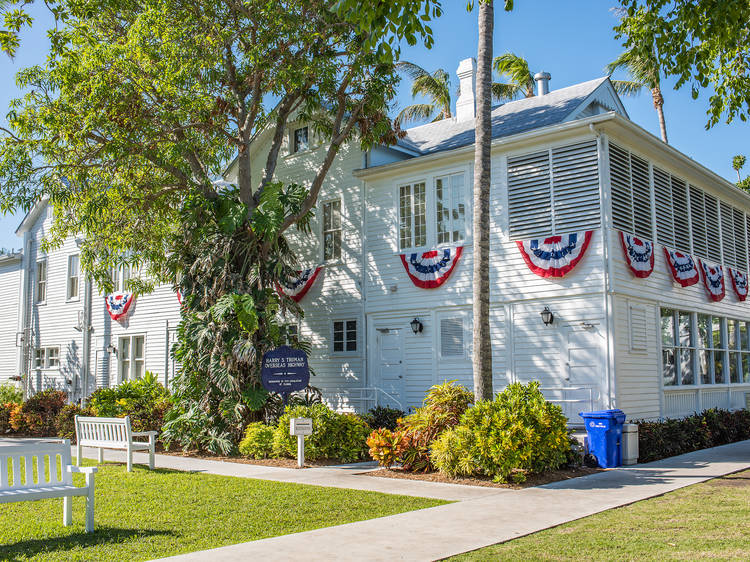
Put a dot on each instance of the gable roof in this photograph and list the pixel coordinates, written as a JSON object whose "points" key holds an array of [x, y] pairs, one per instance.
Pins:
{"points": [[516, 117]]}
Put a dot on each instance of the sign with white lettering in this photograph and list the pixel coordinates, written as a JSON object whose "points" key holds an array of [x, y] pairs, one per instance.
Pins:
{"points": [[300, 426], [285, 370]]}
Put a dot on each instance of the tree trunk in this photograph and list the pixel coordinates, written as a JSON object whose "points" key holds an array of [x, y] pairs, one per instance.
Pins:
{"points": [[659, 107], [482, 356]]}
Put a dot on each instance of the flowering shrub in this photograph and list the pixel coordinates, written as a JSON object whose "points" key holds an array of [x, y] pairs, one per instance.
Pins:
{"points": [[335, 436], [518, 432], [145, 400], [384, 445], [258, 441], [37, 415], [5, 411]]}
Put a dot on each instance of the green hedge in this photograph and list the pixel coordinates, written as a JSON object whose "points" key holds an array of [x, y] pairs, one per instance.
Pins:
{"points": [[670, 437]]}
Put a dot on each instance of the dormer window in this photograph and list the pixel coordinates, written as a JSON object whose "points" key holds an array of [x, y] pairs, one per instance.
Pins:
{"points": [[301, 139]]}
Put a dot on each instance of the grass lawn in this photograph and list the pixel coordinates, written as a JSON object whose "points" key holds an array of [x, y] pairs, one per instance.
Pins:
{"points": [[150, 514], [704, 521]]}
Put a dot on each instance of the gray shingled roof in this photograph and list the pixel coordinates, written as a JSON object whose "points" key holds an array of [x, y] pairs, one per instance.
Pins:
{"points": [[507, 119]]}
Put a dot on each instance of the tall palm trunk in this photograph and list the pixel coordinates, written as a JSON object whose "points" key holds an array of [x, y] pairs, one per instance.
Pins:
{"points": [[659, 107], [482, 357]]}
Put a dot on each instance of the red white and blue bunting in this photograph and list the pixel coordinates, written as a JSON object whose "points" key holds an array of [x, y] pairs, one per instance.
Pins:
{"points": [[739, 282], [118, 304], [555, 256], [639, 254], [713, 279], [296, 287], [180, 297], [431, 269], [683, 267]]}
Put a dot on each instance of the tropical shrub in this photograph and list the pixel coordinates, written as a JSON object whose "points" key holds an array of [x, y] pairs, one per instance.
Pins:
{"points": [[10, 394], [65, 421], [145, 400], [382, 417], [383, 444], [37, 415], [669, 437], [517, 433], [335, 436], [443, 406], [5, 411], [258, 441]]}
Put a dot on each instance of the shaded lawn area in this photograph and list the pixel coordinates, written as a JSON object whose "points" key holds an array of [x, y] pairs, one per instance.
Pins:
{"points": [[703, 521], [151, 514]]}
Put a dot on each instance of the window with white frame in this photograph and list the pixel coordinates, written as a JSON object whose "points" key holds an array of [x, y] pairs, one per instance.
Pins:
{"points": [[452, 337], [450, 208], [131, 352], [678, 347], [301, 139], [41, 281], [344, 336], [332, 230], [412, 216], [47, 358], [121, 278], [73, 276]]}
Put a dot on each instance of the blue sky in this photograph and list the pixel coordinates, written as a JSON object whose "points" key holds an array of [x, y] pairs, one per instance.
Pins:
{"points": [[571, 40]]}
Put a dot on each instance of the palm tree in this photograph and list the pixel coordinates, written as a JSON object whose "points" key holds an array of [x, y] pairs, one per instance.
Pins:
{"points": [[517, 70], [482, 356], [737, 163], [644, 73], [435, 86]]}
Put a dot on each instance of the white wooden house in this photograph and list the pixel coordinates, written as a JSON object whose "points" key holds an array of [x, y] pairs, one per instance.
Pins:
{"points": [[566, 161]]}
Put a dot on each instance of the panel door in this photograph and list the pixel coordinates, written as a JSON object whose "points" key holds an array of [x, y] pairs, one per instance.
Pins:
{"points": [[390, 366]]}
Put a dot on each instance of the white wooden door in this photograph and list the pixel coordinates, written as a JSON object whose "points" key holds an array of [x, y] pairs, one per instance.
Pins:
{"points": [[584, 366], [390, 367]]}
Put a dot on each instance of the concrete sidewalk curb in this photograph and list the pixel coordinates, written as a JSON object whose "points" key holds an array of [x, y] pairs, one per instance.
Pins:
{"points": [[442, 531]]}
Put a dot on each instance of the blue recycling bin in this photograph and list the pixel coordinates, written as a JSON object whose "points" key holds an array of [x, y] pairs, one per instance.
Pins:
{"points": [[604, 430]]}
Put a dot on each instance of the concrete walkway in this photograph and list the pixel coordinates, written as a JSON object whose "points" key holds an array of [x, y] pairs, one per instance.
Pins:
{"points": [[491, 517]]}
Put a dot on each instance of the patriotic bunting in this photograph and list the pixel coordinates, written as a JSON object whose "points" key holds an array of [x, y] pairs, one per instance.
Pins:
{"points": [[431, 269], [296, 287], [739, 282], [118, 304], [713, 279], [683, 267], [555, 256], [639, 254], [179, 297]]}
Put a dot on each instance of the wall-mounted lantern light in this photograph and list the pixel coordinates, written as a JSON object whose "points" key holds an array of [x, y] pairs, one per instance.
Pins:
{"points": [[547, 316], [416, 326], [111, 349]]}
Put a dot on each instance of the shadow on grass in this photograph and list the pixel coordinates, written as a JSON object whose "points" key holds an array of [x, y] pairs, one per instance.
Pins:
{"points": [[102, 535]]}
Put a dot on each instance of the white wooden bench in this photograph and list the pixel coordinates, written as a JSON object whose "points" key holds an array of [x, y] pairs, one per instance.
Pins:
{"points": [[43, 469], [113, 433]]}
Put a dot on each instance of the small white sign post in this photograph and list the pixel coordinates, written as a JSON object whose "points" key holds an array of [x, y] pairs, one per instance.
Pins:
{"points": [[300, 427]]}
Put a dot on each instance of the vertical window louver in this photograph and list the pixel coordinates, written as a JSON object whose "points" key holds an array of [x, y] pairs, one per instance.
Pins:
{"points": [[713, 236], [664, 216], [529, 198], [641, 198], [727, 235], [681, 222], [575, 187], [698, 222], [740, 239], [622, 200]]}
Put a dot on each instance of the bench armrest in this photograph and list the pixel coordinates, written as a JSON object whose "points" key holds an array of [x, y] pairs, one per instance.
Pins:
{"points": [[144, 433], [83, 469]]}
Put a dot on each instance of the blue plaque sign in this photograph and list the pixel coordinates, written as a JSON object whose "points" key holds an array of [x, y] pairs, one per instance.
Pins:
{"points": [[285, 370]]}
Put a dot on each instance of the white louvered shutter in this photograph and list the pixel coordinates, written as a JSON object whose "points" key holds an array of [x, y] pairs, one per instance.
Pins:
{"points": [[638, 329], [727, 235], [575, 185], [663, 200], [452, 337], [641, 198], [622, 200], [529, 202], [713, 236], [698, 221], [680, 215]]}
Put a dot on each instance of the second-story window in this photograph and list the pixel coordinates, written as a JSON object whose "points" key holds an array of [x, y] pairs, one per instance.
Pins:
{"points": [[412, 224], [332, 230], [73, 274], [301, 141], [450, 208], [41, 281]]}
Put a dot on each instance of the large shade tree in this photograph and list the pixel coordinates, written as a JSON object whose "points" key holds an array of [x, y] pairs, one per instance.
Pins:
{"points": [[135, 115]]}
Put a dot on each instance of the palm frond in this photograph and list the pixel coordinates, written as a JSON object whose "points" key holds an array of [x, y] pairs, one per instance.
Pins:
{"points": [[416, 112], [516, 68], [628, 87], [643, 69], [502, 92], [411, 70]]}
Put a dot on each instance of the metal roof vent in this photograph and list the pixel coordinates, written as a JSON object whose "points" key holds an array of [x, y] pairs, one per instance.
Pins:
{"points": [[542, 83]]}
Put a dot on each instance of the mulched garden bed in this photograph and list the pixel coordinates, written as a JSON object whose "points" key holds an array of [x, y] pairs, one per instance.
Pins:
{"points": [[278, 463], [531, 481]]}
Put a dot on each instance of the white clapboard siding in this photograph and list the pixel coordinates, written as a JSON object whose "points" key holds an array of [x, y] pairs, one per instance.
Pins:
{"points": [[10, 307]]}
